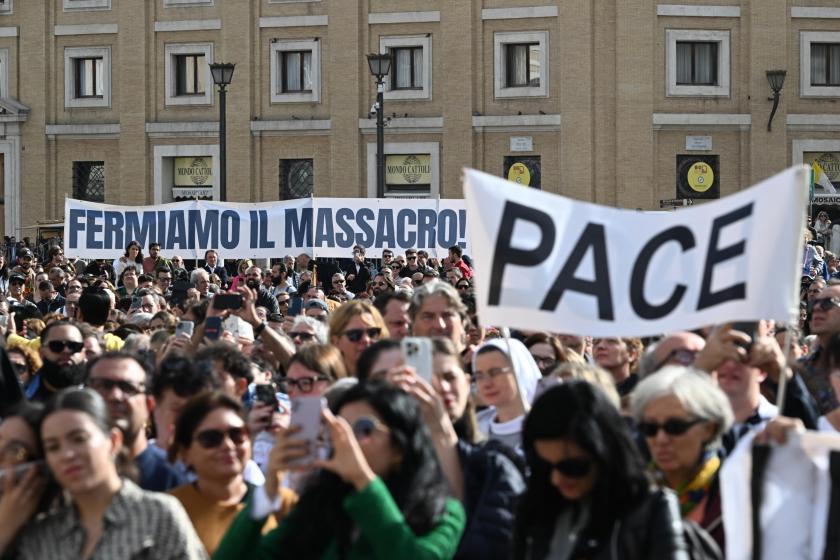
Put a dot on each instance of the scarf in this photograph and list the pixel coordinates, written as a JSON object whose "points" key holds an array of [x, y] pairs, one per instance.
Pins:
{"points": [[694, 491]]}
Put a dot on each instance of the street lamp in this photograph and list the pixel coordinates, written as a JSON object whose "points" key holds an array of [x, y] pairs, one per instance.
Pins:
{"points": [[776, 79], [222, 75], [380, 66]]}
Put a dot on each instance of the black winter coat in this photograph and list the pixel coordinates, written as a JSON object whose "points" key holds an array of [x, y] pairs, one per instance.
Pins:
{"points": [[492, 483], [654, 531]]}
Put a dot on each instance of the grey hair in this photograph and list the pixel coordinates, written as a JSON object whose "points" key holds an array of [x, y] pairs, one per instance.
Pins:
{"points": [[695, 390], [317, 326], [445, 289], [196, 273], [648, 362]]}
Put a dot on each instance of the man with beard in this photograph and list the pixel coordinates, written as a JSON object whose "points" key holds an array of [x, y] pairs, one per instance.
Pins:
{"points": [[63, 366], [253, 279], [381, 283], [24, 268], [16, 291], [123, 381]]}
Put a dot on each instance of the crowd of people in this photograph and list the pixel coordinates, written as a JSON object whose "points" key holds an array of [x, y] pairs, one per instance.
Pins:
{"points": [[149, 410]]}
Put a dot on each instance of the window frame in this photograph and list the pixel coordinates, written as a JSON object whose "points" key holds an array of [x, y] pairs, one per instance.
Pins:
{"points": [[806, 39], [283, 57], [7, 8], [281, 185], [386, 44], [187, 3], [501, 40], [393, 76], [77, 71], [723, 66], [86, 5], [715, 62], [4, 73], [277, 78], [827, 64], [181, 85], [75, 174], [71, 55], [173, 50]]}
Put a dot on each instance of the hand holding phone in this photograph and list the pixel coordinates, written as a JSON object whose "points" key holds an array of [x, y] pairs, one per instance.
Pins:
{"points": [[306, 416], [185, 327], [223, 301]]}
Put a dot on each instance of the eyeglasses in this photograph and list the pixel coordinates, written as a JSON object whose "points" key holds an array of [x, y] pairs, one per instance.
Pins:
{"points": [[304, 384], [682, 356], [825, 304], [491, 373], [208, 439], [411, 257], [19, 368], [105, 385], [59, 345], [304, 336], [365, 426], [163, 279], [545, 362], [387, 255], [572, 468], [672, 427], [338, 281], [355, 335]]}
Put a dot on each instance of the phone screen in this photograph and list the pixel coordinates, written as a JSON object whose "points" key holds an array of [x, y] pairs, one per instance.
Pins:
{"points": [[306, 413], [213, 327]]}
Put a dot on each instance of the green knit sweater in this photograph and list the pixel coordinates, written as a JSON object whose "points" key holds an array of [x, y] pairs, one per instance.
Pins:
{"points": [[383, 532]]}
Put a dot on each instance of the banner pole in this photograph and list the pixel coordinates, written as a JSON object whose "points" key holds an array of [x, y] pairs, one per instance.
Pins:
{"points": [[783, 375]]}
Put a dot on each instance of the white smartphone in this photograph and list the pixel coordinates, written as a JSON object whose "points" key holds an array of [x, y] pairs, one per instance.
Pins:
{"points": [[4, 320], [185, 327], [417, 353], [306, 413]]}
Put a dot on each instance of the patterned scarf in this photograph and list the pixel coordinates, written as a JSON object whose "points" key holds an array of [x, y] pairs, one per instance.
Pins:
{"points": [[694, 491]]}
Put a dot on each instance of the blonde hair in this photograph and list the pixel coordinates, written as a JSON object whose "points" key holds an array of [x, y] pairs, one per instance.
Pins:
{"points": [[345, 313], [592, 374]]}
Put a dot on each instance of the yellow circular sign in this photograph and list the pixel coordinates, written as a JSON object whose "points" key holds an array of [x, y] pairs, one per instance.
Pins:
{"points": [[701, 176], [519, 173]]}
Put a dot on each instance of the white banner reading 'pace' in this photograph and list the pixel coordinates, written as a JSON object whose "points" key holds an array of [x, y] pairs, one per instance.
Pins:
{"points": [[324, 227], [552, 263]]}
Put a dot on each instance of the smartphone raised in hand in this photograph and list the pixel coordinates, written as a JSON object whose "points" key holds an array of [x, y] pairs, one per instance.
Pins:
{"points": [[185, 327], [213, 327], [227, 301], [306, 414], [417, 353]]}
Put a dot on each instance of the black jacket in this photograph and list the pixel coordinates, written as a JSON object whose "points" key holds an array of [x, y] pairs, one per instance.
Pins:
{"points": [[361, 277], [492, 483], [652, 532], [265, 299], [218, 271]]}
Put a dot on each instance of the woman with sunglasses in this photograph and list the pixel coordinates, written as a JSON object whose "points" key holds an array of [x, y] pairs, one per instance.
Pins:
{"points": [[108, 516], [587, 494], [212, 441], [25, 361], [353, 327], [506, 378], [22, 480], [307, 330], [380, 496], [682, 415]]}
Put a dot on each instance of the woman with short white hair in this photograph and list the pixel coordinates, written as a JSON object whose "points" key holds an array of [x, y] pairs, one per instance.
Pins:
{"points": [[682, 414]]}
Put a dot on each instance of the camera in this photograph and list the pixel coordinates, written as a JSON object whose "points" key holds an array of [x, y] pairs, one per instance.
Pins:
{"points": [[374, 108]]}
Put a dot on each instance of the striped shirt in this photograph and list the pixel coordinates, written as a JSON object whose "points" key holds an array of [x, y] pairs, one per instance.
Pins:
{"points": [[137, 525]]}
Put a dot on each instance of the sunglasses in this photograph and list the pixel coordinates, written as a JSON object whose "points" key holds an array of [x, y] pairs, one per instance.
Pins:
{"points": [[355, 335], [572, 468], [825, 304], [59, 345], [338, 281], [364, 427], [303, 384], [412, 257], [464, 287], [672, 427], [304, 336], [208, 439], [283, 302], [104, 385]]}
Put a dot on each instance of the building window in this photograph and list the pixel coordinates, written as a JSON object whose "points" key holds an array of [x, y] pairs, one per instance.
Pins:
{"points": [[411, 60], [86, 5], [187, 74], [87, 77], [186, 3], [4, 73], [521, 64], [190, 74], [295, 71], [698, 63], [408, 68], [296, 178], [89, 181], [819, 62], [5, 7]]}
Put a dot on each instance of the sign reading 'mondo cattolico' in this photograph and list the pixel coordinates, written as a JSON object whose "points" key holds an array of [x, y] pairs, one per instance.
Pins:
{"points": [[193, 172], [408, 169]]}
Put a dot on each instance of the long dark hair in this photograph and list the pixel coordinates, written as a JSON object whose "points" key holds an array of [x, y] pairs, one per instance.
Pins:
{"points": [[193, 414], [417, 485], [579, 412], [139, 258]]}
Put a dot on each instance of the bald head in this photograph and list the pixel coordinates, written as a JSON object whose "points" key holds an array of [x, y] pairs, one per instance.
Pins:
{"points": [[677, 348]]}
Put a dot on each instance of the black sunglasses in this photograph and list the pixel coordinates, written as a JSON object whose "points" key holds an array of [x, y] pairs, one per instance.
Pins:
{"points": [[59, 345], [364, 427], [355, 335], [572, 468], [106, 385], [208, 439], [304, 336], [672, 427], [825, 303], [303, 384]]}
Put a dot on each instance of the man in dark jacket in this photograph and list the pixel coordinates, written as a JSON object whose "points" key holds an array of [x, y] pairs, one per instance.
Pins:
{"points": [[254, 280], [211, 265], [359, 273]]}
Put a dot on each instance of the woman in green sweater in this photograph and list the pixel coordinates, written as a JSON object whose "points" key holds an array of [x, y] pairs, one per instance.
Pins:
{"points": [[380, 496]]}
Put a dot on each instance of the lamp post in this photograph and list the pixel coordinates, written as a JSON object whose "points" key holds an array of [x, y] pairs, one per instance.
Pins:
{"points": [[380, 66], [776, 79], [222, 75]]}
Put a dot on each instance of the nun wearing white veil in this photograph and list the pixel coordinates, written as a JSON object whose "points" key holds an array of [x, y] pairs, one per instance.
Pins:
{"points": [[506, 378]]}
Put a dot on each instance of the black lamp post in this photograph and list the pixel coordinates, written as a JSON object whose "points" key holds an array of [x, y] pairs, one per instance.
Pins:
{"points": [[222, 75], [380, 66], [776, 79]]}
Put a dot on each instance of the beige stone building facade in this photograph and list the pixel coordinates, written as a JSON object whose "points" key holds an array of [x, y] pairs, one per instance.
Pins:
{"points": [[621, 102]]}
